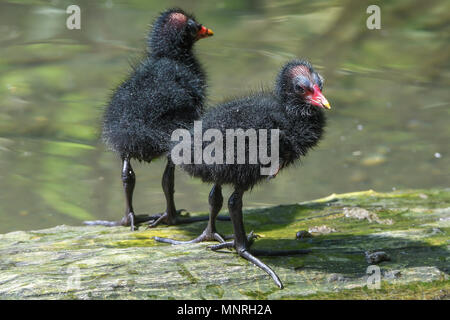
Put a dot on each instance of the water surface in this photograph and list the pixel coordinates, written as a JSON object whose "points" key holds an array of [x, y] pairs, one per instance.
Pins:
{"points": [[388, 128]]}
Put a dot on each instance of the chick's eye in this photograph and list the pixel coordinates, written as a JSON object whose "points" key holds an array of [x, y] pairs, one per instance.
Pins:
{"points": [[318, 80], [192, 28], [299, 89]]}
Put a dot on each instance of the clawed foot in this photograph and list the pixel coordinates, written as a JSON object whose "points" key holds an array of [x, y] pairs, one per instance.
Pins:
{"points": [[206, 235], [230, 244], [135, 220], [167, 218], [176, 219], [250, 255]]}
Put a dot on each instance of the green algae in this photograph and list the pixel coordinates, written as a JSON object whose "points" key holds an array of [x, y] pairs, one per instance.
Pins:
{"points": [[115, 263], [434, 290]]}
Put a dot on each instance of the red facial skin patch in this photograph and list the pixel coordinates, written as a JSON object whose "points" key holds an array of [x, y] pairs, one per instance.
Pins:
{"points": [[177, 19], [301, 70], [314, 95]]}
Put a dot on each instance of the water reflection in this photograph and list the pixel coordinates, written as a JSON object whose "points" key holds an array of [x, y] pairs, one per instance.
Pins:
{"points": [[389, 91]]}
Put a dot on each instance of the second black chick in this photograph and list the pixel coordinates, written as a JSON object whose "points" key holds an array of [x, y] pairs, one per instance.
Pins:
{"points": [[166, 91], [295, 108]]}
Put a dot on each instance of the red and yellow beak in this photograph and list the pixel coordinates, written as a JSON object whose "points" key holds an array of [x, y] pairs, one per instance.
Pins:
{"points": [[318, 99], [204, 33]]}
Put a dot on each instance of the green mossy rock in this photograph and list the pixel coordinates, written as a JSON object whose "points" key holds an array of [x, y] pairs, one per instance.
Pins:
{"points": [[411, 227]]}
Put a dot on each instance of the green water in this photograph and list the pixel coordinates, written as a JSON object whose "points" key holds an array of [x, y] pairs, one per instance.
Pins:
{"points": [[388, 127]]}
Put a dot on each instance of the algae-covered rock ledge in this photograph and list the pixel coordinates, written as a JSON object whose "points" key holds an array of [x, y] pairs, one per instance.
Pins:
{"points": [[410, 227]]}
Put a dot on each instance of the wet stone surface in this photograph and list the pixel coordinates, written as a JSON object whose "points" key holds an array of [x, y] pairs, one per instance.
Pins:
{"points": [[72, 262]]}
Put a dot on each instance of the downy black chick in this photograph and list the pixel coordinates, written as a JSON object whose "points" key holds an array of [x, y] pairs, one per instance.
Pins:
{"points": [[165, 91], [296, 109]]}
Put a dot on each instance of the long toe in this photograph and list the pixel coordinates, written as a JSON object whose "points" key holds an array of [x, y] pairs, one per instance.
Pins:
{"points": [[201, 238], [174, 219], [177, 242], [230, 244], [138, 219], [159, 220], [177, 220], [248, 256], [218, 237], [135, 220], [222, 245], [142, 218]]}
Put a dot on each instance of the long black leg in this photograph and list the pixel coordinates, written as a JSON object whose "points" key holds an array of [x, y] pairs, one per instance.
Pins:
{"points": [[168, 185], [128, 182], [242, 242], [172, 216], [215, 200]]}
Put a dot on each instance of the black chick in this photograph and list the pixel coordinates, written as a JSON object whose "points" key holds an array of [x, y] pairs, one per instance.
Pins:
{"points": [[296, 109], [165, 91]]}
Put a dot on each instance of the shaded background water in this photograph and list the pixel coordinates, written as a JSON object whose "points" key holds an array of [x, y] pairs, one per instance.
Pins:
{"points": [[389, 126]]}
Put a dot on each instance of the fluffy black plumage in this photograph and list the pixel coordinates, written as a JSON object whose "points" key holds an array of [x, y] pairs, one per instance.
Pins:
{"points": [[295, 109], [165, 91], [301, 125]]}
